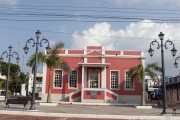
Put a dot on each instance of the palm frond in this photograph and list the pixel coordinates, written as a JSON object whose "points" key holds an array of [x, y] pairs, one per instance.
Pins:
{"points": [[58, 46], [31, 60]]}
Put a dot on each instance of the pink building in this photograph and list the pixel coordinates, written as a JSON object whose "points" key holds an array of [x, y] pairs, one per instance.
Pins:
{"points": [[97, 75]]}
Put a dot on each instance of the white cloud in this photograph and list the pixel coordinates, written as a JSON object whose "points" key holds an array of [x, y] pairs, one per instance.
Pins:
{"points": [[135, 36], [9, 2]]}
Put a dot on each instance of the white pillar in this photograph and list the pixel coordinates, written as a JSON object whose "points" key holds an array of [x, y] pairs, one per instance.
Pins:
{"points": [[103, 82], [82, 76], [103, 76], [83, 82]]}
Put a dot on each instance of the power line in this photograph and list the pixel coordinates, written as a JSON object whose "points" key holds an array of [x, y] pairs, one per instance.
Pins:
{"points": [[80, 7], [69, 33]]}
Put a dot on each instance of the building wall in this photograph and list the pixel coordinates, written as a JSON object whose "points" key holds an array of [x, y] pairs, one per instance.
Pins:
{"points": [[118, 60], [73, 63], [123, 65]]}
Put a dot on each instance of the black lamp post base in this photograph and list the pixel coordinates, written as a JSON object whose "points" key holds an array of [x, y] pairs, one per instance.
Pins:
{"points": [[164, 112], [32, 107]]}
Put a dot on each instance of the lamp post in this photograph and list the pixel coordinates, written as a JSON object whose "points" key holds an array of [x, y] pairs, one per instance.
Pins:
{"points": [[151, 52], [26, 48], [9, 56], [17, 76]]}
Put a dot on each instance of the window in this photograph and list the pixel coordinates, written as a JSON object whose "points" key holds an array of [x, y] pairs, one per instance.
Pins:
{"points": [[94, 78], [129, 84], [73, 79], [58, 78], [114, 79]]}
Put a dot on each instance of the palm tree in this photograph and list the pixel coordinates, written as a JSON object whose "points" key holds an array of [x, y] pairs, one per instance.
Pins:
{"points": [[52, 60], [138, 72], [31, 60]]}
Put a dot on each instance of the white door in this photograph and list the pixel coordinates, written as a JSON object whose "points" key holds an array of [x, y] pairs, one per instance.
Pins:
{"points": [[94, 79]]}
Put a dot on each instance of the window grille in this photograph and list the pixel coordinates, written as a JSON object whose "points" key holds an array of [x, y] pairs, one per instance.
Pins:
{"points": [[58, 78], [73, 79], [114, 79], [129, 84]]}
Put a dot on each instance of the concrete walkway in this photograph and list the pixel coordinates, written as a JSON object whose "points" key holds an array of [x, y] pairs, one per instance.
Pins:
{"points": [[79, 110]]}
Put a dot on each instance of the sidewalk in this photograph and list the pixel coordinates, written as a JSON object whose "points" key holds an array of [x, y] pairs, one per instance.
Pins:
{"points": [[81, 110]]}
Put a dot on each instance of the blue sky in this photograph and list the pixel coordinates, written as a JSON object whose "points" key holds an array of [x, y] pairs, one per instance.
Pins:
{"points": [[114, 24]]}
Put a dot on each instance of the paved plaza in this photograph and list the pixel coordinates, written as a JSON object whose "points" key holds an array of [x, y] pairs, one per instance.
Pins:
{"points": [[80, 110]]}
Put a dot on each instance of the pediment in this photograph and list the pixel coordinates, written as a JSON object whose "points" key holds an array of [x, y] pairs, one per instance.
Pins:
{"points": [[94, 53]]}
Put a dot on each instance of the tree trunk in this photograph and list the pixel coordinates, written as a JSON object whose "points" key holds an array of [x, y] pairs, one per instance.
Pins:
{"points": [[143, 94], [49, 89]]}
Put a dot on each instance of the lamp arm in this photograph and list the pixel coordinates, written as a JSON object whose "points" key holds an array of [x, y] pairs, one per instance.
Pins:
{"points": [[177, 59], [45, 41], [5, 52], [15, 53], [153, 43], [170, 43], [29, 41]]}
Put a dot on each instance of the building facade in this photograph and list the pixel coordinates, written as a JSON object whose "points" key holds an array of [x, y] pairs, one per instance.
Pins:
{"points": [[26, 89], [97, 75], [173, 88]]}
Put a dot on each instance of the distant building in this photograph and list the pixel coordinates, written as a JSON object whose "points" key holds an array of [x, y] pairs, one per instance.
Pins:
{"points": [[2, 77], [173, 88], [27, 88], [153, 87], [97, 75]]}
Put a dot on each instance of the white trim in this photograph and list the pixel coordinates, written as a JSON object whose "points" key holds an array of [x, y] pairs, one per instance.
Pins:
{"points": [[122, 53], [94, 64], [85, 50], [66, 51], [85, 60], [118, 80], [103, 50], [102, 56], [72, 93], [54, 80], [103, 60], [94, 89], [44, 78], [69, 80], [111, 92], [82, 81], [103, 77], [95, 51]]}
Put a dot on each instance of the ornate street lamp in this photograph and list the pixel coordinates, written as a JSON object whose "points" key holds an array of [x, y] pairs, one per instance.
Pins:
{"points": [[26, 48], [175, 63], [173, 51], [9, 56]]}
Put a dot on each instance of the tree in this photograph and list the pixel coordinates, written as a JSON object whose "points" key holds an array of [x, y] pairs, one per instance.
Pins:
{"points": [[139, 72], [14, 79], [52, 60]]}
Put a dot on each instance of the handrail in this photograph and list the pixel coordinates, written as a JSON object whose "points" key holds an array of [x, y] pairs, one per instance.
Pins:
{"points": [[72, 93], [111, 92]]}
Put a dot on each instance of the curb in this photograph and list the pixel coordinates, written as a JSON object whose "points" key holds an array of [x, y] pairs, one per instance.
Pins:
{"points": [[67, 115]]}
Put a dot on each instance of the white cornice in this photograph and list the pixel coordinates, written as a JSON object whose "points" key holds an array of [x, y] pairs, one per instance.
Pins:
{"points": [[102, 56]]}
